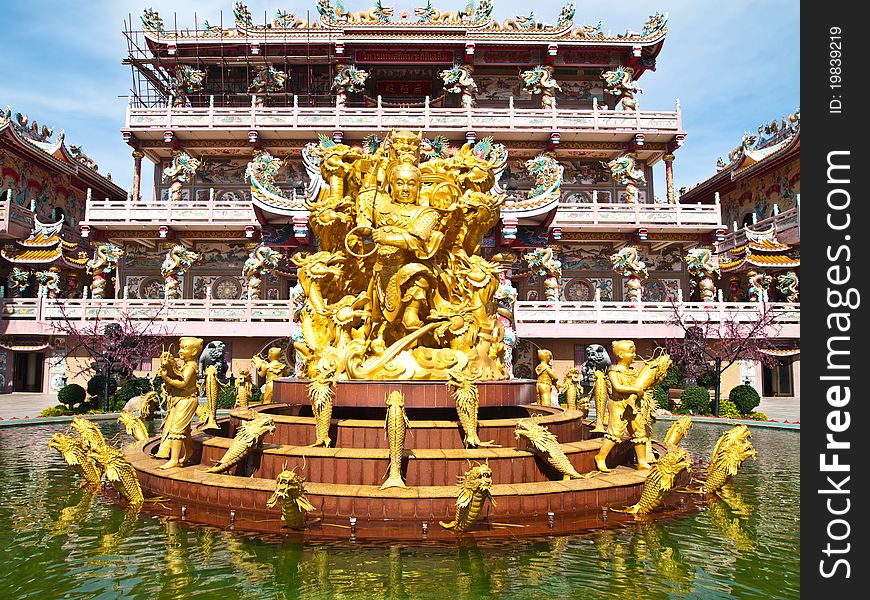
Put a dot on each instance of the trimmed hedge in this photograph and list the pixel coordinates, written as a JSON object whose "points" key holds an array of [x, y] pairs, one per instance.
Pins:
{"points": [[71, 395], [96, 385], [696, 400], [727, 410], [745, 398], [56, 411], [663, 399]]}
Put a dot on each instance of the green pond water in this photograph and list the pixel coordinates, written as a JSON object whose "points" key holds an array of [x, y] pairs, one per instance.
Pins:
{"points": [[56, 542]]}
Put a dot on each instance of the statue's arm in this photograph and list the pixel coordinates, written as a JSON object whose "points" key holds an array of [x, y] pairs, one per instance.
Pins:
{"points": [[620, 387]]}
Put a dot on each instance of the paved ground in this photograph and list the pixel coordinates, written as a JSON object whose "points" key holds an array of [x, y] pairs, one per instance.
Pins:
{"points": [[21, 404]]}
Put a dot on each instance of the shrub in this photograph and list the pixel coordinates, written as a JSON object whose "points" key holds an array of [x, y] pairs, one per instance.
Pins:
{"points": [[71, 395], [96, 388], [662, 398], [131, 388], [707, 379], [696, 400], [758, 416], [55, 411], [745, 398], [727, 410], [673, 379]]}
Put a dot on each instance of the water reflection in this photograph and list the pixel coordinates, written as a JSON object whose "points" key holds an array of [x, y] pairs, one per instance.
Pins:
{"points": [[744, 544]]}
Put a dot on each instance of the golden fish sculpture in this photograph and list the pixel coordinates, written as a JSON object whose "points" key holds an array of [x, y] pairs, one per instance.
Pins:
{"points": [[547, 444], [148, 405], [396, 426], [248, 437], [76, 456], [474, 491], [133, 425], [120, 473], [321, 394], [290, 494], [90, 434], [465, 395], [600, 394], [734, 447], [244, 389], [211, 387], [678, 430], [660, 481], [571, 388]]}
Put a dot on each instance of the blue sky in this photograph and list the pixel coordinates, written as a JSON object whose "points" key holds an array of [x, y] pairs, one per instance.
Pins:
{"points": [[733, 65]]}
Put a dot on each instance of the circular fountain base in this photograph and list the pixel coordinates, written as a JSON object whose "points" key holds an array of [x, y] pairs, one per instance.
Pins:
{"points": [[343, 483]]}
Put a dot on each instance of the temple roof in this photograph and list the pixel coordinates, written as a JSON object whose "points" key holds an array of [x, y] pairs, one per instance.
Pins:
{"points": [[761, 250], [45, 246]]}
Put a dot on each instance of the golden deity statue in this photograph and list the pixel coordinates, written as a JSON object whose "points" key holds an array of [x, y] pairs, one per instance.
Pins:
{"points": [[398, 290], [180, 385], [271, 368]]}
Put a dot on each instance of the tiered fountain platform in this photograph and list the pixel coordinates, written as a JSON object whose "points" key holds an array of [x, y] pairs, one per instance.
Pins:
{"points": [[343, 482]]}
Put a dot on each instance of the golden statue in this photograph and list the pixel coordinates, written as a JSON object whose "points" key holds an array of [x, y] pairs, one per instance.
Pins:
{"points": [[396, 426], [398, 290], [244, 388], [133, 425], [572, 389], [321, 394], [734, 447], [212, 387], [467, 399], [290, 494], [474, 491], [179, 381], [271, 369], [120, 473], [91, 436], [660, 481], [677, 430], [76, 456], [249, 436], [624, 408], [546, 378], [545, 442]]}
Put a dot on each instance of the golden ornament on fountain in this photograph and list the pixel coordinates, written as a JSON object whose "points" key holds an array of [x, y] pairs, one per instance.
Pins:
{"points": [[600, 393], [290, 494], [571, 388], [546, 443], [396, 425], [660, 481], [120, 473], [180, 388], [91, 436], [474, 491], [465, 395], [547, 379], [733, 447], [133, 425], [271, 368], [244, 389], [678, 430], [76, 456], [247, 438], [211, 387]]}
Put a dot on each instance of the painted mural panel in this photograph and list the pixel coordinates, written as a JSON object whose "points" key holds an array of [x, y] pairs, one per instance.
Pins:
{"points": [[51, 194], [759, 194]]}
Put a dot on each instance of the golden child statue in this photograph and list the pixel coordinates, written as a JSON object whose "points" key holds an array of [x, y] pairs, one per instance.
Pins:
{"points": [[271, 369], [546, 378], [623, 409], [180, 385]]}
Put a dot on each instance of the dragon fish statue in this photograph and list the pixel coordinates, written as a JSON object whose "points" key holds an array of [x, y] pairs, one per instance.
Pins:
{"points": [[465, 395], [120, 473], [396, 426], [678, 430], [321, 393], [133, 426], [458, 80], [90, 434], [701, 264], [572, 389], [261, 261], [75, 454], [544, 262], [624, 170], [248, 437], [348, 79], [186, 81], [378, 13], [474, 491], [628, 263], [430, 14], [546, 443], [287, 20], [152, 21], [787, 284], [268, 79], [180, 173], [620, 83], [178, 260], [660, 481], [100, 267], [540, 80], [734, 447], [290, 495]]}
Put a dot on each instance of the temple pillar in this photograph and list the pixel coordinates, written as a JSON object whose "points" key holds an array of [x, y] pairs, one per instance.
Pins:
{"points": [[137, 173], [669, 178]]}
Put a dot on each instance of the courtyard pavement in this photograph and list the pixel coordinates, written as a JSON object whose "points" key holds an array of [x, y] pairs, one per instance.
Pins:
{"points": [[23, 404]]}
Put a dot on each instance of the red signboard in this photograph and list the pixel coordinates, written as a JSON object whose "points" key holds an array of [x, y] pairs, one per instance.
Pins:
{"points": [[579, 58], [404, 56], [402, 88]]}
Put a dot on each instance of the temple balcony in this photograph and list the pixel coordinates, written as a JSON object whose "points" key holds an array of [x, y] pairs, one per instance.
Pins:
{"points": [[631, 320], [786, 228], [595, 124], [625, 218], [207, 318]]}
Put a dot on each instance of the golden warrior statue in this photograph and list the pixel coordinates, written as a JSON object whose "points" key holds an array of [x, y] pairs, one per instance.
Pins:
{"points": [[180, 382], [398, 290]]}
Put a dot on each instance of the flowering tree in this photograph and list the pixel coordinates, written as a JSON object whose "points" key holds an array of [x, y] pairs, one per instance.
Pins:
{"points": [[711, 346], [115, 343]]}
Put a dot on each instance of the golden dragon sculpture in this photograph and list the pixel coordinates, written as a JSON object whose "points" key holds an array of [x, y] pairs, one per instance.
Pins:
{"points": [[396, 426], [547, 444], [321, 394], [120, 473], [76, 456], [92, 437], [600, 394], [133, 425], [244, 389], [211, 386], [474, 491], [734, 447], [660, 481], [572, 389], [677, 430], [290, 494], [465, 394], [249, 436]]}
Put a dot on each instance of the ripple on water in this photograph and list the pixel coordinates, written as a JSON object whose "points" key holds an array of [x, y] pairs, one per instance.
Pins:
{"points": [[61, 542]]}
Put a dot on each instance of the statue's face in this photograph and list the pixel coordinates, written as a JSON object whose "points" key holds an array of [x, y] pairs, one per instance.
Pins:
{"points": [[188, 349], [596, 354], [625, 352], [406, 185], [405, 144], [274, 353]]}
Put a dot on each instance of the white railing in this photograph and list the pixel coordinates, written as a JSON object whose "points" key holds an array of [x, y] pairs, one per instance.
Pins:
{"points": [[89, 309], [649, 313], [381, 117], [158, 212], [571, 214], [782, 222]]}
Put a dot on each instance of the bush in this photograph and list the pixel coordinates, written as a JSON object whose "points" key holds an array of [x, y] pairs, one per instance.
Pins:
{"points": [[727, 410], [662, 398], [758, 416], [55, 411], [71, 395], [745, 398], [696, 400], [96, 388], [707, 379], [131, 388]]}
